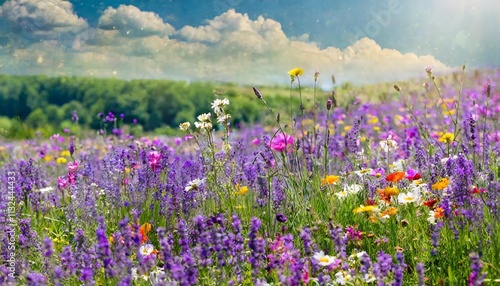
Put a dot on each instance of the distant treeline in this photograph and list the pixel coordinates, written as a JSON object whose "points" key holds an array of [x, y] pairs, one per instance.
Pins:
{"points": [[47, 103]]}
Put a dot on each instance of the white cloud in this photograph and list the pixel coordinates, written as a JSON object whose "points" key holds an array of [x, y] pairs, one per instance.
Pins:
{"points": [[132, 22], [41, 18], [230, 47]]}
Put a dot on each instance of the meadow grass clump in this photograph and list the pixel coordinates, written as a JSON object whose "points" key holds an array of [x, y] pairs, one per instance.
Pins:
{"points": [[401, 192]]}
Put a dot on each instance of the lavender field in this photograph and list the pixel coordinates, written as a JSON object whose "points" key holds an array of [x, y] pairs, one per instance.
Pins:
{"points": [[344, 190]]}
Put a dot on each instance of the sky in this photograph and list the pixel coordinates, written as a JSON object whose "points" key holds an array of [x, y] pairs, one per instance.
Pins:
{"points": [[247, 41]]}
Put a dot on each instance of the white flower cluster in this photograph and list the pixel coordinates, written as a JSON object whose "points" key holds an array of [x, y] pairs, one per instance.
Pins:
{"points": [[204, 123], [388, 144], [218, 107], [194, 185], [219, 104], [184, 126], [349, 190]]}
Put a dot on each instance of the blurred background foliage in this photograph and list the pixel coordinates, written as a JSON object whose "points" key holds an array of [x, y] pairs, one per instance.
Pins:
{"points": [[38, 103], [31, 105]]}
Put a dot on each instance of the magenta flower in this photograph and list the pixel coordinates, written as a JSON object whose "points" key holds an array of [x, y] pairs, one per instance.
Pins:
{"points": [[62, 182], [178, 141], [281, 141], [412, 175], [256, 141], [73, 167], [71, 178], [154, 160]]}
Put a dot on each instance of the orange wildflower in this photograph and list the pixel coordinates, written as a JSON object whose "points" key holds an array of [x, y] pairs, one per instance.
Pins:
{"points": [[330, 180], [441, 184], [387, 193], [390, 212], [395, 177], [144, 230], [438, 212]]}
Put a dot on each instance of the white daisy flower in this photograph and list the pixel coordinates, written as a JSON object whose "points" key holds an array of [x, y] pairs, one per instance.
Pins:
{"points": [[341, 195], [184, 126], [205, 117], [45, 190], [398, 166], [353, 189], [219, 104], [194, 185], [409, 197], [146, 249], [388, 144], [223, 118], [203, 125], [364, 172], [323, 260], [342, 277], [431, 219]]}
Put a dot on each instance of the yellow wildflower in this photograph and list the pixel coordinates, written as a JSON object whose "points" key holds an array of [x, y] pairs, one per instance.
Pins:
{"points": [[307, 122], [446, 137], [242, 190], [347, 127], [295, 72], [65, 153], [373, 120], [48, 158], [449, 112], [362, 209], [441, 184], [330, 180], [376, 128], [61, 160]]}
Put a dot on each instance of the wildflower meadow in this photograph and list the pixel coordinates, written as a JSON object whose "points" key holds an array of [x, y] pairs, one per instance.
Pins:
{"points": [[337, 190]]}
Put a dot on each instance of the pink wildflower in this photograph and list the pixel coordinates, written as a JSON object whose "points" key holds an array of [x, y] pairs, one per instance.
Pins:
{"points": [[280, 142], [73, 167]]}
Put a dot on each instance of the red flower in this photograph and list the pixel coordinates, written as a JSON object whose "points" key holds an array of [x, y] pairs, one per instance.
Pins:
{"points": [[430, 203], [477, 190], [370, 202], [395, 177]]}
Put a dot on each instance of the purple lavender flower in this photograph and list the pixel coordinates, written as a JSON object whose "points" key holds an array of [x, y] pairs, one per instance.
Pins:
{"points": [[27, 237], [87, 276], [36, 279], [257, 246], [281, 218], [420, 273], [366, 263], [339, 239], [398, 269], [103, 249], [383, 266], [476, 278], [48, 247], [435, 229], [71, 147], [305, 235], [74, 116], [67, 260]]}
